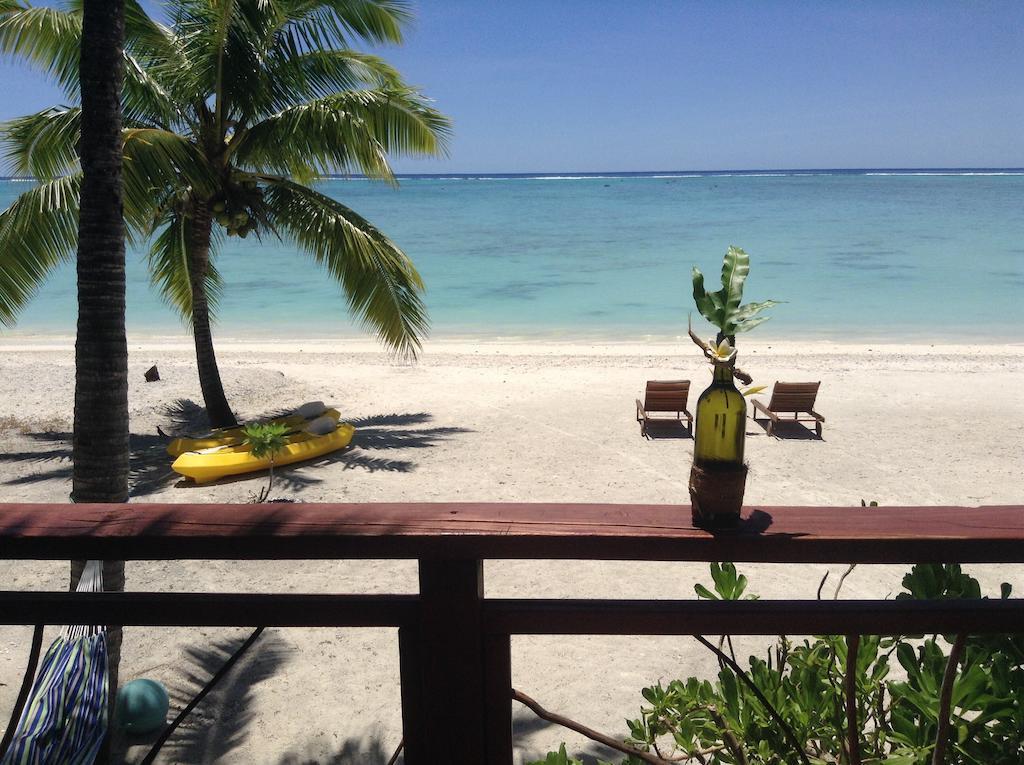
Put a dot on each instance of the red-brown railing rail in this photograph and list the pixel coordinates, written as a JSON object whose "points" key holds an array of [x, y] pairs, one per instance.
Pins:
{"points": [[454, 644]]}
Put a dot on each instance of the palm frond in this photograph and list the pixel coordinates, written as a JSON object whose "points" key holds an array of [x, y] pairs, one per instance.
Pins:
{"points": [[38, 231], [46, 38], [327, 24], [218, 45], [378, 21], [146, 100], [43, 145], [253, 46], [159, 79], [346, 132], [169, 269], [291, 77], [146, 37], [379, 281], [156, 164]]}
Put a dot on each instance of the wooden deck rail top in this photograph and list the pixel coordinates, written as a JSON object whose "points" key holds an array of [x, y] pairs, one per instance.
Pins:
{"points": [[454, 643], [150, 531]]}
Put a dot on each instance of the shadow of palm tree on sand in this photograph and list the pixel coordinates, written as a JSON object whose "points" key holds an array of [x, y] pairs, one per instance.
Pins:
{"points": [[223, 721], [374, 433], [150, 466], [150, 471], [372, 750]]}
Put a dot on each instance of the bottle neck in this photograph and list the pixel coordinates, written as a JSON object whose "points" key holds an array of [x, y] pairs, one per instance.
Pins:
{"points": [[723, 374]]}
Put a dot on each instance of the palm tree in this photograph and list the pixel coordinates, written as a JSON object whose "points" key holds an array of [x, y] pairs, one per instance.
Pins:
{"points": [[100, 441], [231, 111]]}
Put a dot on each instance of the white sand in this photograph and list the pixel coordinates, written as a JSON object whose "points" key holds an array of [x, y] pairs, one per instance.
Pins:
{"points": [[505, 421]]}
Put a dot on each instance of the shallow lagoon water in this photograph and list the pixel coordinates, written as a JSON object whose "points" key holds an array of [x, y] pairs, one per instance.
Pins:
{"points": [[855, 254]]}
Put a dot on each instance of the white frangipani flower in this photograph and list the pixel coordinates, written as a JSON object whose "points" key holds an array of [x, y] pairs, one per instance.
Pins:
{"points": [[722, 351]]}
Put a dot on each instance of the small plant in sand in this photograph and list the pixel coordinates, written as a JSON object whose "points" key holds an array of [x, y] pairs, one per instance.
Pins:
{"points": [[718, 476], [265, 440], [561, 757]]}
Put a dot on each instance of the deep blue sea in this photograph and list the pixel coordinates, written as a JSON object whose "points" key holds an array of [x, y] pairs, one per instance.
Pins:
{"points": [[855, 254]]}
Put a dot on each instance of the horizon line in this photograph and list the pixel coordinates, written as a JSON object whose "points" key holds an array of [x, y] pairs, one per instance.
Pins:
{"points": [[612, 173]]}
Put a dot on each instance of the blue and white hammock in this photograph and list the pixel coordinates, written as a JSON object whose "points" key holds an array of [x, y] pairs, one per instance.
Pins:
{"points": [[65, 718]]}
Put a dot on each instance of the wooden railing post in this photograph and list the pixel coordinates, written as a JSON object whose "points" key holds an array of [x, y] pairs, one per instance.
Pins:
{"points": [[443, 698], [498, 698]]}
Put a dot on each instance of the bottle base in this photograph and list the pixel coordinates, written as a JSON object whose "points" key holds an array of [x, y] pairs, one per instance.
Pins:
{"points": [[716, 494]]}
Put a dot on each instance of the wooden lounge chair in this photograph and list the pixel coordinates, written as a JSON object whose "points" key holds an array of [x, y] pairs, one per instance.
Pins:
{"points": [[664, 397], [791, 398]]}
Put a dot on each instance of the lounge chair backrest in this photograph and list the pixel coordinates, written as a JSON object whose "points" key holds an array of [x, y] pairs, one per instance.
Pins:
{"points": [[793, 397], [666, 395]]}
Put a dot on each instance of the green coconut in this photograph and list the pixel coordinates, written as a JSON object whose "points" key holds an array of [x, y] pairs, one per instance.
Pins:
{"points": [[240, 219], [141, 706], [219, 207]]}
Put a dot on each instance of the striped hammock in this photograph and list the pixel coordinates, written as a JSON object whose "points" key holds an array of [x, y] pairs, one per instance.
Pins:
{"points": [[65, 719]]}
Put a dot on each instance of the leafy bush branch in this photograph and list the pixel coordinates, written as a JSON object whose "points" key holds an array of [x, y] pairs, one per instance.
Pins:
{"points": [[856, 700]]}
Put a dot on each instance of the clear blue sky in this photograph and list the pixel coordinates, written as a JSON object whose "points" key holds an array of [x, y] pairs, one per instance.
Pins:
{"points": [[601, 85]]}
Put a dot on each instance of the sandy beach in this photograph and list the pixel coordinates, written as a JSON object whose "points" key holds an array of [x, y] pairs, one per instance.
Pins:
{"points": [[509, 420]]}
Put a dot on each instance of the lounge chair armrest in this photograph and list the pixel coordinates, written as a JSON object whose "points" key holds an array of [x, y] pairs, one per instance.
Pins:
{"points": [[816, 416], [639, 406], [762, 407]]}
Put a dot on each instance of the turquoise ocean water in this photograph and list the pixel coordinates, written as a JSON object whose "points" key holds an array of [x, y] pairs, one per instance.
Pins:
{"points": [[855, 254]]}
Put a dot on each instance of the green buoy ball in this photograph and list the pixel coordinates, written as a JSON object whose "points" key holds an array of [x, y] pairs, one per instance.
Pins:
{"points": [[142, 706]]}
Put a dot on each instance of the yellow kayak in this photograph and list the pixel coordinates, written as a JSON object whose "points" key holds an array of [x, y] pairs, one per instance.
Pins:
{"points": [[220, 461], [235, 436]]}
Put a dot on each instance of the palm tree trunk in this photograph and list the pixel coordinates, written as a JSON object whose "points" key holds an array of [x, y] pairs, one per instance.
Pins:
{"points": [[100, 450], [217, 408]]}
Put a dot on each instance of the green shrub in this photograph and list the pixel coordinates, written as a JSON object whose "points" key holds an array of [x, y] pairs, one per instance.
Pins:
{"points": [[721, 721]]}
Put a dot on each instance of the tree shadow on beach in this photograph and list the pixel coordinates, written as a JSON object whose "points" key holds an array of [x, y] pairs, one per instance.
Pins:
{"points": [[371, 750], [224, 719], [150, 467], [374, 433], [354, 751], [184, 416]]}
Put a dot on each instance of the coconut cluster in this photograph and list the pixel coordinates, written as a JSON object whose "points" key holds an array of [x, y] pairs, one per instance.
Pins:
{"points": [[234, 210]]}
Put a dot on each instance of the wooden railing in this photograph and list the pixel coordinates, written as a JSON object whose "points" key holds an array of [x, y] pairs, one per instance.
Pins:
{"points": [[454, 644]]}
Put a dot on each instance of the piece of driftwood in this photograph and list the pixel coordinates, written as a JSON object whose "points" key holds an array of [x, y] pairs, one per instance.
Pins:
{"points": [[152, 374], [590, 733]]}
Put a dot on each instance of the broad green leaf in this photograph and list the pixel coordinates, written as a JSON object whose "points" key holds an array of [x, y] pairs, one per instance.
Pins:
{"points": [[724, 308], [735, 267]]}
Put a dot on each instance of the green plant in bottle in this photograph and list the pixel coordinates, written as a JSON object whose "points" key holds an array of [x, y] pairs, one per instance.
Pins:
{"points": [[723, 308], [718, 476]]}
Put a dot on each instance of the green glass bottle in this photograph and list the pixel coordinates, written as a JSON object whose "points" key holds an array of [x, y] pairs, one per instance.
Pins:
{"points": [[721, 422], [718, 477]]}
